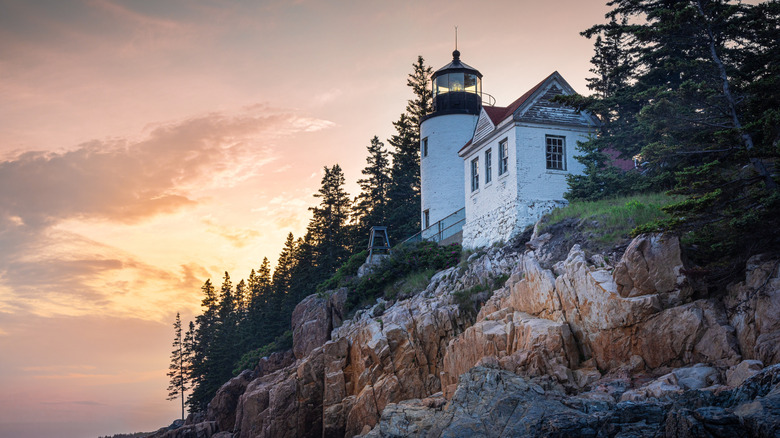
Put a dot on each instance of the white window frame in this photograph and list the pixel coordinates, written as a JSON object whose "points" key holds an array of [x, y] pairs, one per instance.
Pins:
{"points": [[424, 147], [488, 165], [475, 174], [555, 152], [426, 219], [503, 156]]}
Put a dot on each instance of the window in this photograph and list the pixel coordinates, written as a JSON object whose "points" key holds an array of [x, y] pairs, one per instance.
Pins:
{"points": [[503, 156], [556, 152], [424, 147], [488, 165], [474, 174], [426, 219]]}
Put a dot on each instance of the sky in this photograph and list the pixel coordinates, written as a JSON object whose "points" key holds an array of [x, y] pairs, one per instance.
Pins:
{"points": [[146, 146]]}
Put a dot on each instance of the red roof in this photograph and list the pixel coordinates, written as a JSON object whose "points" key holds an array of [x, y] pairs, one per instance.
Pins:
{"points": [[498, 113]]}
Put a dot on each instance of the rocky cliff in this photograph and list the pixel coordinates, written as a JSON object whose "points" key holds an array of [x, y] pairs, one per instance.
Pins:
{"points": [[571, 343]]}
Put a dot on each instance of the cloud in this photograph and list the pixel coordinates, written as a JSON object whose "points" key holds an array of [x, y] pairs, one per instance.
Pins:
{"points": [[55, 272], [45, 269], [126, 181], [239, 237]]}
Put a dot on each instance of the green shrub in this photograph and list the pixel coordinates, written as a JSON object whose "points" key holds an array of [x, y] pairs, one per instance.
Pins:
{"points": [[499, 281], [250, 359], [409, 285], [346, 272], [468, 300], [405, 261]]}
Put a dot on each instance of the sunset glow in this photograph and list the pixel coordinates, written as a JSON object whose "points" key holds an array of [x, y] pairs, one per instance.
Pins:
{"points": [[146, 146]]}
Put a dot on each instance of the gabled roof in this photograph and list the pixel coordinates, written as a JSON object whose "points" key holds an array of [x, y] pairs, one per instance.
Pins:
{"points": [[498, 114]]}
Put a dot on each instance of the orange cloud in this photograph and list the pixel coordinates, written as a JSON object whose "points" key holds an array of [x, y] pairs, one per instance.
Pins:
{"points": [[126, 181], [47, 270]]}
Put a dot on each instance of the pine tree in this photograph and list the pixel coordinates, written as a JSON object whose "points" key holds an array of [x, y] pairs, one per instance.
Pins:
{"points": [[178, 369], [404, 190], [700, 106], [330, 233], [371, 204], [422, 103], [284, 267], [202, 368]]}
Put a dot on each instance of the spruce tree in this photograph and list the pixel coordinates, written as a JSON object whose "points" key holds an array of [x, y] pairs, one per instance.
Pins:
{"points": [[255, 329], [700, 109], [306, 274], [371, 204], [422, 103], [404, 190], [284, 267], [226, 349], [204, 337], [178, 369], [330, 232]]}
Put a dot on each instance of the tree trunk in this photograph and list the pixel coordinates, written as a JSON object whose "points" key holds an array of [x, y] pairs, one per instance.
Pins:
{"points": [[747, 140]]}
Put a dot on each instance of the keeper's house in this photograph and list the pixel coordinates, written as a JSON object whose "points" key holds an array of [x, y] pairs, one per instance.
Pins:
{"points": [[493, 170]]}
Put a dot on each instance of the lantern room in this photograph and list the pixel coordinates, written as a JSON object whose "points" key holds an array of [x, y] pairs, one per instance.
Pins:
{"points": [[457, 88]]}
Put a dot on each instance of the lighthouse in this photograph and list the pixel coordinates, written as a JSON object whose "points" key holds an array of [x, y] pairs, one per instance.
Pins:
{"points": [[457, 102]]}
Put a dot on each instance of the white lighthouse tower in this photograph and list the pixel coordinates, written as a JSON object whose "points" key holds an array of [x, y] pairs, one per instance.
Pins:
{"points": [[457, 101]]}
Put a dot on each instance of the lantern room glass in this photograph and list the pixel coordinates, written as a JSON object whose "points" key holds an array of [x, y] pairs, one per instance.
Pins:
{"points": [[467, 82]]}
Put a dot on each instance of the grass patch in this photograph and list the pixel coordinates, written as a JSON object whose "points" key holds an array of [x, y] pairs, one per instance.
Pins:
{"points": [[610, 220]]}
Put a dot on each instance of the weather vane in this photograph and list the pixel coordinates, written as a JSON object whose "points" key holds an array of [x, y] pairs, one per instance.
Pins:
{"points": [[456, 37]]}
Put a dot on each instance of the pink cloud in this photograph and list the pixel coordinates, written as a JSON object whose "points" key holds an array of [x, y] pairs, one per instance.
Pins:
{"points": [[125, 181]]}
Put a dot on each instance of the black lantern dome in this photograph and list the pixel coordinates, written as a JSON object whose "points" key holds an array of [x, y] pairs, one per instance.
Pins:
{"points": [[457, 88]]}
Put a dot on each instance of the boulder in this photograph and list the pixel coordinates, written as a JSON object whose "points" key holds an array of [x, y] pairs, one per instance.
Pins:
{"points": [[495, 403], [519, 343], [222, 408], [652, 264], [754, 310], [286, 403], [612, 328], [274, 362], [314, 318], [311, 325], [206, 429], [743, 371]]}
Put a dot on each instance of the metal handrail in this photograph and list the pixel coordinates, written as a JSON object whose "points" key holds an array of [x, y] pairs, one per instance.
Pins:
{"points": [[437, 235], [491, 101]]}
